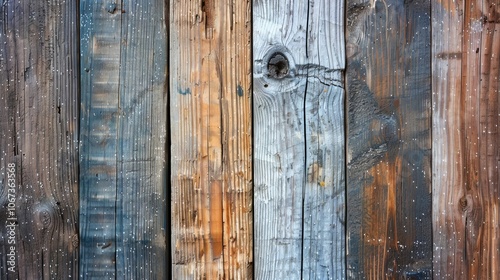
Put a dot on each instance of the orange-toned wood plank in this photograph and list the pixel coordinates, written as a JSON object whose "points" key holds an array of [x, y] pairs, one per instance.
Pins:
{"points": [[210, 117], [466, 152]]}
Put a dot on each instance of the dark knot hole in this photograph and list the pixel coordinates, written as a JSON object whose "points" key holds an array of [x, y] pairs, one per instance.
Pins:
{"points": [[278, 66]]}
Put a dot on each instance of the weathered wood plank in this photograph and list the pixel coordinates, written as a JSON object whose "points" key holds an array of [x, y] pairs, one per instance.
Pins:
{"points": [[211, 120], [100, 33], [389, 181], [124, 136], [466, 44], [447, 173], [299, 140], [39, 139], [142, 152]]}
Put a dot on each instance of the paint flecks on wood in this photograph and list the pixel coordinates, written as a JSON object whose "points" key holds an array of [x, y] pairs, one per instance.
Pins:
{"points": [[389, 183], [211, 123], [299, 140], [124, 134], [39, 139], [465, 140]]}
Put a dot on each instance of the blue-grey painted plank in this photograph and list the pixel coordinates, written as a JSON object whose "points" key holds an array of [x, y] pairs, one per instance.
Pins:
{"points": [[100, 44]]}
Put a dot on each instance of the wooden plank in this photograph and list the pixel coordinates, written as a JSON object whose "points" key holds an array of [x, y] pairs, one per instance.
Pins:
{"points": [[38, 140], [448, 174], [389, 181], [142, 152], [210, 114], [299, 140], [100, 31], [465, 180], [124, 136]]}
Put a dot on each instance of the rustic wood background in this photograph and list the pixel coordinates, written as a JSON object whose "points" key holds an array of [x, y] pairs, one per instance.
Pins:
{"points": [[259, 139]]}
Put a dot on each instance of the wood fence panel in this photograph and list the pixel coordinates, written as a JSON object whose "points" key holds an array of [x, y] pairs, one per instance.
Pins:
{"points": [[466, 81], [124, 137], [211, 121], [299, 140], [389, 139], [38, 140]]}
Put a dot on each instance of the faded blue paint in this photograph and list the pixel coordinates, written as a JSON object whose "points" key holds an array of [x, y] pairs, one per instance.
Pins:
{"points": [[239, 90], [184, 92]]}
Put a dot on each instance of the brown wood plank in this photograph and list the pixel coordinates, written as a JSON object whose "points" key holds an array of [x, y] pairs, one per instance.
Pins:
{"points": [[466, 77], [299, 140], [211, 147], [39, 139], [389, 180], [124, 140]]}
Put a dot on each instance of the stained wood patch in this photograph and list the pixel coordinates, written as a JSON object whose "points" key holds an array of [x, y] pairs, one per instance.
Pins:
{"points": [[465, 139], [211, 120], [389, 144], [124, 134], [299, 140], [38, 140]]}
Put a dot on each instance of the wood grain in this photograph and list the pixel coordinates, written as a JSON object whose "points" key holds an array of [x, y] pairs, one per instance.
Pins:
{"points": [[39, 135], [299, 140], [389, 144], [466, 60], [124, 135], [211, 120]]}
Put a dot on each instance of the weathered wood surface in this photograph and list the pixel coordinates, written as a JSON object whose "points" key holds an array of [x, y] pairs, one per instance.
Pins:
{"points": [[299, 140], [211, 120], [39, 135], [124, 138], [389, 130], [466, 82]]}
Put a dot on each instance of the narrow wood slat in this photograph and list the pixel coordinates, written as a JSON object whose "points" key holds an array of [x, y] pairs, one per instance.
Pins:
{"points": [[39, 139], [466, 78], [299, 140], [142, 150], [389, 180], [124, 136], [100, 32], [211, 120]]}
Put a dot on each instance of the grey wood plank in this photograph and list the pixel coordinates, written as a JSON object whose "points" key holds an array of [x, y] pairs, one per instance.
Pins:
{"points": [[38, 140], [142, 149], [299, 140]]}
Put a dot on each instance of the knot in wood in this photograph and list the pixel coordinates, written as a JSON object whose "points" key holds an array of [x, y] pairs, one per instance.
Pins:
{"points": [[278, 66], [111, 8]]}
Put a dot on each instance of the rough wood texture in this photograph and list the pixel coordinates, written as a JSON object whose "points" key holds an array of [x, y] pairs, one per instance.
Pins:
{"points": [[389, 156], [123, 135], [299, 140], [39, 135], [210, 114], [466, 82]]}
